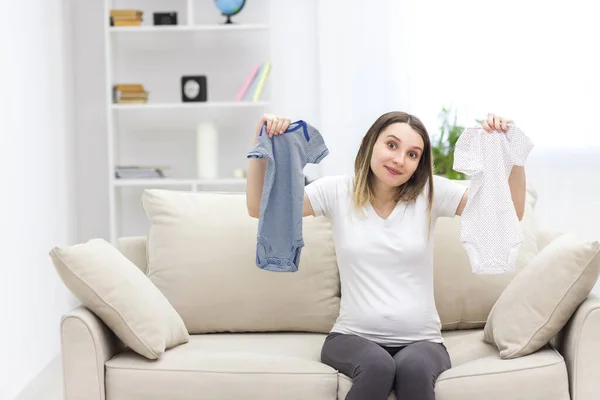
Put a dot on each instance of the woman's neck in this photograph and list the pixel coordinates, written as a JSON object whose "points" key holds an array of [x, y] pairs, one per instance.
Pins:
{"points": [[383, 196]]}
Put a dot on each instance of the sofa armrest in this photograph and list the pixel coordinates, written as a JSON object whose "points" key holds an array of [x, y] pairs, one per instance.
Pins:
{"points": [[579, 344], [86, 344]]}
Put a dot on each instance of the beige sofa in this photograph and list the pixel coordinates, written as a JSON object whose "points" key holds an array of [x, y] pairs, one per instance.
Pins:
{"points": [[258, 335]]}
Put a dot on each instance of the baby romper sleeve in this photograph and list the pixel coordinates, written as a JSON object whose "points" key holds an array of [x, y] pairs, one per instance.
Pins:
{"points": [[316, 150], [519, 145], [468, 153]]}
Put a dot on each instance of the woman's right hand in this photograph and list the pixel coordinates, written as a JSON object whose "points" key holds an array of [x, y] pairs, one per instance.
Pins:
{"points": [[276, 125]]}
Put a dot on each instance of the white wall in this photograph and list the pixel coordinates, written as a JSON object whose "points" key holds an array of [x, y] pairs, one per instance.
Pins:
{"points": [[38, 211], [91, 156]]}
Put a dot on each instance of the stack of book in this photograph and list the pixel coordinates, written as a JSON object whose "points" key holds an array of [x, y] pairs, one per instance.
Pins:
{"points": [[126, 17], [129, 93], [140, 172], [254, 83]]}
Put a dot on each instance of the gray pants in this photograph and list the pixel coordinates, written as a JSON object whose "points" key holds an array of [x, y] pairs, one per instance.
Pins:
{"points": [[375, 370]]}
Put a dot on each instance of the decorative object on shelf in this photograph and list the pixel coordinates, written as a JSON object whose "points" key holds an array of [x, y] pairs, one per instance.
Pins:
{"points": [[264, 74], [193, 88], [129, 93], [165, 18], [126, 17], [207, 150], [229, 8], [247, 83], [239, 173]]}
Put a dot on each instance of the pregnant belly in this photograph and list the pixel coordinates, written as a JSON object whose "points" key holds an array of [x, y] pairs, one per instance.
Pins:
{"points": [[404, 323]]}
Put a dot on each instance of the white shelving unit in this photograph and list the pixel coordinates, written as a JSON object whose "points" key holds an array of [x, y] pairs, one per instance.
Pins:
{"points": [[157, 57]]}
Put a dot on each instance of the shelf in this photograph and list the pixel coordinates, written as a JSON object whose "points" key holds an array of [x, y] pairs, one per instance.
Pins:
{"points": [[178, 182], [188, 28], [191, 105], [181, 116]]}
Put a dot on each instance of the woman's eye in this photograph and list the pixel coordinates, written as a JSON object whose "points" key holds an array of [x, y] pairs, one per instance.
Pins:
{"points": [[392, 145]]}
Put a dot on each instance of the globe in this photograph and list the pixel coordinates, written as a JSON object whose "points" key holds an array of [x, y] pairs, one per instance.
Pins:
{"points": [[230, 8]]}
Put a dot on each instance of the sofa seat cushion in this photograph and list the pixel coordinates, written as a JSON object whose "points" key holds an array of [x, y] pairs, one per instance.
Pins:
{"points": [[479, 372], [227, 366]]}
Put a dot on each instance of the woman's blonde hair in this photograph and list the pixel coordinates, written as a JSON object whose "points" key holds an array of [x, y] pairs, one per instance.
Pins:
{"points": [[363, 175]]}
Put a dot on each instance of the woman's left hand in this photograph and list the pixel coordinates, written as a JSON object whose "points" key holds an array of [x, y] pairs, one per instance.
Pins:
{"points": [[496, 123]]}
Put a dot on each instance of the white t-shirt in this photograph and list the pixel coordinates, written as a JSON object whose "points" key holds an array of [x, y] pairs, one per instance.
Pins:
{"points": [[385, 266]]}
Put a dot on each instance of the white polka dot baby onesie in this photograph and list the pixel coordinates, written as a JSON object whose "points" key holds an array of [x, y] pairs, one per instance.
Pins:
{"points": [[490, 230]]}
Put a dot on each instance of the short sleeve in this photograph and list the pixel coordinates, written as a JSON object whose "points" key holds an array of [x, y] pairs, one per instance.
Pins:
{"points": [[446, 196], [263, 148], [322, 194], [468, 152], [519, 145], [316, 150]]}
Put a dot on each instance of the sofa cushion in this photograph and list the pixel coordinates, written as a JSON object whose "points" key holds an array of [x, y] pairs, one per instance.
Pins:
{"points": [[478, 369], [201, 254], [114, 289], [464, 299], [134, 248], [541, 299], [227, 366]]}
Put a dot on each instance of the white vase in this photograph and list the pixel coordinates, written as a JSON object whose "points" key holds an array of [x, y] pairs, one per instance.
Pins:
{"points": [[207, 150]]}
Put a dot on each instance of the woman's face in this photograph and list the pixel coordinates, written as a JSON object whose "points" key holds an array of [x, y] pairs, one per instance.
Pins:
{"points": [[396, 154]]}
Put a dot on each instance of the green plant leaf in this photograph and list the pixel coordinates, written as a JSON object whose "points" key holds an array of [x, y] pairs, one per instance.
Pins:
{"points": [[443, 150]]}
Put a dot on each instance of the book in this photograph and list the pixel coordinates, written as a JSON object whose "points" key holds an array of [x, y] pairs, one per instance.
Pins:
{"points": [[140, 171], [128, 18], [125, 17], [118, 22], [125, 13], [247, 83], [131, 101], [129, 91], [264, 74], [134, 95], [252, 88], [129, 87]]}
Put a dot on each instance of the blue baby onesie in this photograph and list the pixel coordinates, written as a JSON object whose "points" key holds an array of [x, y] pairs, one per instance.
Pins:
{"points": [[279, 240]]}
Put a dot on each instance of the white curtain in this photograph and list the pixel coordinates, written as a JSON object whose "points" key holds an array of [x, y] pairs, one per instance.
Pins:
{"points": [[535, 62], [362, 72]]}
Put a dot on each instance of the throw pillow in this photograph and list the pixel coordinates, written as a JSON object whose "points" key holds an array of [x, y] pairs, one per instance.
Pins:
{"points": [[114, 289], [541, 299], [202, 255]]}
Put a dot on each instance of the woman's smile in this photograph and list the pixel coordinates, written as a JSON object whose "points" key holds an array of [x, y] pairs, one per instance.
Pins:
{"points": [[392, 171]]}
